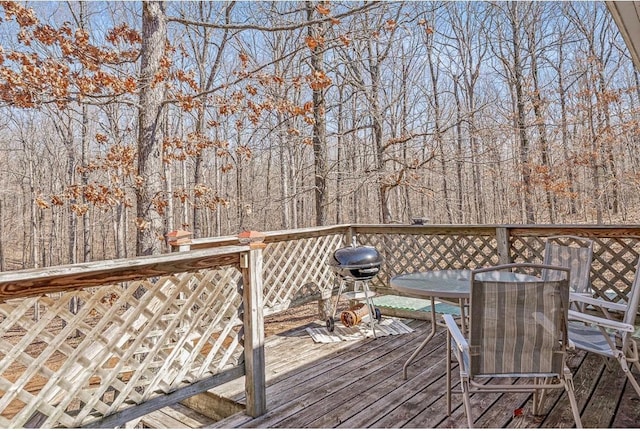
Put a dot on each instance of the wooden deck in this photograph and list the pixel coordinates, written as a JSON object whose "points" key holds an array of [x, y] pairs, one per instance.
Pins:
{"points": [[359, 384]]}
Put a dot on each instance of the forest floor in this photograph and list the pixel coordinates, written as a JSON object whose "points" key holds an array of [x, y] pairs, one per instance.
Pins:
{"points": [[291, 318]]}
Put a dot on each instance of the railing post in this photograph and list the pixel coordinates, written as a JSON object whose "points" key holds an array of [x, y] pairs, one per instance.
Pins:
{"points": [[502, 238], [349, 236], [255, 381], [179, 240]]}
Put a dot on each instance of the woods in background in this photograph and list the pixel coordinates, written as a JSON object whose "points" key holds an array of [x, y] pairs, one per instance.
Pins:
{"points": [[125, 120]]}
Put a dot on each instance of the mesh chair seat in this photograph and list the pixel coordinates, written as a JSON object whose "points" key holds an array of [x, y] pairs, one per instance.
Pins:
{"points": [[591, 339]]}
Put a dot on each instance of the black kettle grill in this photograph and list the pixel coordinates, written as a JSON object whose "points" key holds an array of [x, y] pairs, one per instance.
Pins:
{"points": [[357, 264]]}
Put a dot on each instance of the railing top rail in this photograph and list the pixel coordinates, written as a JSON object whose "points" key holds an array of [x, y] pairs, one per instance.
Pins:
{"points": [[30, 282], [430, 228], [625, 231], [613, 231], [486, 229], [271, 236], [493, 226]]}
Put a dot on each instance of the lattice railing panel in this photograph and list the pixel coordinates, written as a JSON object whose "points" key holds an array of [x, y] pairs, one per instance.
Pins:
{"points": [[298, 268], [127, 344], [405, 253], [612, 269], [527, 249]]}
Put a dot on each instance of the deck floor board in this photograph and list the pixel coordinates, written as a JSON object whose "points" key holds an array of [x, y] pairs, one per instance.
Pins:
{"points": [[358, 384], [317, 384], [364, 388], [628, 413]]}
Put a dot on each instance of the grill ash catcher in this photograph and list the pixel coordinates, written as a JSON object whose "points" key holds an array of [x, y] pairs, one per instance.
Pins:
{"points": [[357, 265]]}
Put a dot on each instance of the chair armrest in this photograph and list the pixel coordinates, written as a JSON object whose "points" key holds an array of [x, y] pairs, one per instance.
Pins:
{"points": [[595, 320], [455, 332], [587, 299]]}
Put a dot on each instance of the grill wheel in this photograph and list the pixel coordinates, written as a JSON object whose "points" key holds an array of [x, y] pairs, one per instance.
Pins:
{"points": [[330, 324]]}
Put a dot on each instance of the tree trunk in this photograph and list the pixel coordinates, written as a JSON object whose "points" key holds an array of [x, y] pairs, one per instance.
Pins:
{"points": [[341, 162], [540, 123], [564, 125], [609, 143], [149, 193], [438, 125], [35, 226], [198, 168], [459, 155], [72, 219], [520, 115], [376, 119], [285, 208], [319, 127], [84, 178]]}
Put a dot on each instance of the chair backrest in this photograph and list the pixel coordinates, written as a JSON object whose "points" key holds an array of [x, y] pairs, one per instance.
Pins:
{"points": [[517, 327], [633, 299], [573, 252]]}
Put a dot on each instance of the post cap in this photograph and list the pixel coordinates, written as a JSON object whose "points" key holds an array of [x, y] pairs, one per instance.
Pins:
{"points": [[253, 238], [178, 237]]}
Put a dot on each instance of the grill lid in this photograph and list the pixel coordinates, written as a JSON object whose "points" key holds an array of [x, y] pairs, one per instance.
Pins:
{"points": [[359, 257], [356, 263]]}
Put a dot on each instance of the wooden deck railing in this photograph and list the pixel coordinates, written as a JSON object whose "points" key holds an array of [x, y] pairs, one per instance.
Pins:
{"points": [[296, 269], [153, 331], [420, 248], [149, 332]]}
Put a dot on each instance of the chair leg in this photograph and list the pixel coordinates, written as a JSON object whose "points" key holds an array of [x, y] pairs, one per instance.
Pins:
{"points": [[625, 367], [467, 401], [538, 397], [448, 373], [622, 360], [607, 364], [633, 354], [633, 381], [568, 386]]}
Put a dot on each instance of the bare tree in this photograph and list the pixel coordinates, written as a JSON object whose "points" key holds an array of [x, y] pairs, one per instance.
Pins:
{"points": [[315, 35], [150, 192], [509, 49]]}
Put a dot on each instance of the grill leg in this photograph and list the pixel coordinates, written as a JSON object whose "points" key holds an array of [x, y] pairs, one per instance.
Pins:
{"points": [[370, 308], [335, 304]]}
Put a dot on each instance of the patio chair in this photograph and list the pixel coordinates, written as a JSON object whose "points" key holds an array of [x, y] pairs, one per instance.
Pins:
{"points": [[517, 331], [573, 252], [608, 328]]}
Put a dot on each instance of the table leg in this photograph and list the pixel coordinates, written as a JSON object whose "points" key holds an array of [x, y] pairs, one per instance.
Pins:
{"points": [[424, 343], [463, 318]]}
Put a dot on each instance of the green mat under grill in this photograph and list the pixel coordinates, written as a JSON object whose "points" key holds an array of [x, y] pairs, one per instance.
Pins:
{"points": [[414, 304]]}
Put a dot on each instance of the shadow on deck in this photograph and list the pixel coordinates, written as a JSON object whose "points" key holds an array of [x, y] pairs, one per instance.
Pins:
{"points": [[358, 384]]}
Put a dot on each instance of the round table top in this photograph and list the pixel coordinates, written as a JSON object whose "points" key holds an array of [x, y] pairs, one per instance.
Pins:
{"points": [[452, 283]]}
